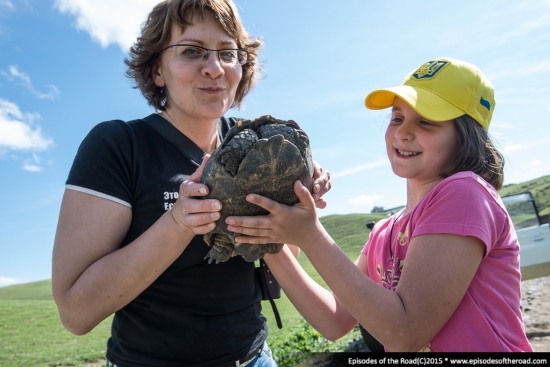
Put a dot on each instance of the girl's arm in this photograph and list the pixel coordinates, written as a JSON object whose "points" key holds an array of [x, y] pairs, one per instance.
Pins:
{"points": [[436, 275], [92, 277], [319, 307]]}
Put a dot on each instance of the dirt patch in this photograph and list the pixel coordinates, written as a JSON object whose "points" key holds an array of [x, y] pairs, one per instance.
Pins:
{"points": [[536, 312], [99, 363]]}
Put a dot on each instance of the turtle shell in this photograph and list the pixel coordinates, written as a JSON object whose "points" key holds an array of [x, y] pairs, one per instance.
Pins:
{"points": [[264, 156]]}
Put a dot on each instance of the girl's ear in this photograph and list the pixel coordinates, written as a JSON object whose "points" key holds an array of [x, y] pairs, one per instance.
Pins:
{"points": [[158, 78]]}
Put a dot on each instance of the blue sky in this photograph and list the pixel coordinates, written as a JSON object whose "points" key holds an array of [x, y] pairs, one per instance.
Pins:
{"points": [[62, 72]]}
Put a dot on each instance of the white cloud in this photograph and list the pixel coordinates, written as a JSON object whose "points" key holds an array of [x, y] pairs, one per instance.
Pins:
{"points": [[31, 167], [7, 4], [364, 200], [5, 281], [504, 69], [360, 168], [505, 125], [509, 148], [15, 73], [18, 130], [109, 22]]}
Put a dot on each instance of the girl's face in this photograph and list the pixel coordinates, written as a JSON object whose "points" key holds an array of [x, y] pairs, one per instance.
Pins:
{"points": [[202, 90], [419, 149]]}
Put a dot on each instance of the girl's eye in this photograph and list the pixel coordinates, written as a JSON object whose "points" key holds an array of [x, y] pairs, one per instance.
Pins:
{"points": [[396, 120], [426, 123]]}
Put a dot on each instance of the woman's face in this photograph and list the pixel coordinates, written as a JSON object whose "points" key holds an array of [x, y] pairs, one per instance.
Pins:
{"points": [[419, 149], [202, 90]]}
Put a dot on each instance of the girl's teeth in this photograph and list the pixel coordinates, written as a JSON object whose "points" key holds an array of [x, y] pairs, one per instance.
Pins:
{"points": [[407, 153]]}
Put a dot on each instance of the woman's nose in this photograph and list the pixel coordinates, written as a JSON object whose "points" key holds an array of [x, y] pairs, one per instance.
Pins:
{"points": [[212, 66]]}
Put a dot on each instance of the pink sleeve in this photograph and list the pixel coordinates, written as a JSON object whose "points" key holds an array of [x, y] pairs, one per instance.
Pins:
{"points": [[376, 232], [364, 251], [463, 207]]}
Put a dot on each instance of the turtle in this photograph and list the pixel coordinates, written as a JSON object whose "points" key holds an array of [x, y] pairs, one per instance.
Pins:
{"points": [[264, 156]]}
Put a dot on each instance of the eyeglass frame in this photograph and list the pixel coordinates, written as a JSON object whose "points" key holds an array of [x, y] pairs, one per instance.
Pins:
{"points": [[207, 49]]}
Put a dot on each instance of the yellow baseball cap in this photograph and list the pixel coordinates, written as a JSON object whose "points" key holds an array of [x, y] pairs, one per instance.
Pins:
{"points": [[442, 89]]}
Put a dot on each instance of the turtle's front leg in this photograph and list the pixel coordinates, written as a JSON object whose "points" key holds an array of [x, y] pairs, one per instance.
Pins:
{"points": [[251, 252], [222, 249]]}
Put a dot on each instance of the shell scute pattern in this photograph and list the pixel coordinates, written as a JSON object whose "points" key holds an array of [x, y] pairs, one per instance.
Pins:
{"points": [[264, 156]]}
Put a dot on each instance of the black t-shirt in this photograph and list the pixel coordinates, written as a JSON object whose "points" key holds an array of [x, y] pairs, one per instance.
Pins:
{"points": [[195, 313]]}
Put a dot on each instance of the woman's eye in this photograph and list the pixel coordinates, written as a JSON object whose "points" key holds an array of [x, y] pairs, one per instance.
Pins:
{"points": [[191, 52], [228, 55]]}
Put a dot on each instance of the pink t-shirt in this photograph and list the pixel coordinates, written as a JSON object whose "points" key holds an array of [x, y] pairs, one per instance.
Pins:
{"points": [[488, 318]]}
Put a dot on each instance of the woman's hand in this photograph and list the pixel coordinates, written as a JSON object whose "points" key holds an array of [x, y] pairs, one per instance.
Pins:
{"points": [[196, 215], [296, 224], [321, 185]]}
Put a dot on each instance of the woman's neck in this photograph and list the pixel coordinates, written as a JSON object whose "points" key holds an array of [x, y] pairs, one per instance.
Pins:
{"points": [[416, 192], [203, 133]]}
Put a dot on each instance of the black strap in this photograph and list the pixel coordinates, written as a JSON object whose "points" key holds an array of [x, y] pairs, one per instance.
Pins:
{"points": [[263, 285]]}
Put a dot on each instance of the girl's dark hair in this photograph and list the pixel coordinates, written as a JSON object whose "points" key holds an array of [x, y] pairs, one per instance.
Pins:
{"points": [[477, 153], [157, 31]]}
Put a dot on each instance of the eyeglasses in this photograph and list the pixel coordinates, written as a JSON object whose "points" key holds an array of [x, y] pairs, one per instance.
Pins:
{"points": [[192, 53]]}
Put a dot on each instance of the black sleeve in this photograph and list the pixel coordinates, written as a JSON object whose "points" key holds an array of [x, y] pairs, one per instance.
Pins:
{"points": [[104, 162], [227, 123]]}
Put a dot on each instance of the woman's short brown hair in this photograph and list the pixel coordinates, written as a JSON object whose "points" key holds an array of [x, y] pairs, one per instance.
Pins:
{"points": [[477, 153], [156, 33]]}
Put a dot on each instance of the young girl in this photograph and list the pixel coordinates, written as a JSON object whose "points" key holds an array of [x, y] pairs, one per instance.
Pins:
{"points": [[443, 273]]}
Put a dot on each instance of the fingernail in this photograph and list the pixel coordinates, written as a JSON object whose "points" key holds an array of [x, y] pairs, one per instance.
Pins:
{"points": [[230, 221], [317, 188], [202, 191], [216, 205], [215, 215], [211, 225], [251, 198]]}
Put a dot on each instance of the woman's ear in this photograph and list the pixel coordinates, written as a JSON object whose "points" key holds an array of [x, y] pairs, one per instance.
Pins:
{"points": [[158, 78]]}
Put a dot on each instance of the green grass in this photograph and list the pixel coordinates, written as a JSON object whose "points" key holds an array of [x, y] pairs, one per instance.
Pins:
{"points": [[36, 291], [539, 188], [32, 335]]}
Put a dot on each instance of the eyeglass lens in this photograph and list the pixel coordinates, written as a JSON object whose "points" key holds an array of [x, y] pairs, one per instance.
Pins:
{"points": [[196, 53]]}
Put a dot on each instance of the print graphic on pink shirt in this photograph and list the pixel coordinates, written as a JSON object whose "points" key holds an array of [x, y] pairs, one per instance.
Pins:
{"points": [[390, 275]]}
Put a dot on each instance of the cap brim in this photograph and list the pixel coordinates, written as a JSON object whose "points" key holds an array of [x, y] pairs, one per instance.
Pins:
{"points": [[432, 106]]}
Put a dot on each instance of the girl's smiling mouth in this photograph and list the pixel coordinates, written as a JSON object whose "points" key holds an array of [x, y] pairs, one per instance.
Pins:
{"points": [[406, 153]]}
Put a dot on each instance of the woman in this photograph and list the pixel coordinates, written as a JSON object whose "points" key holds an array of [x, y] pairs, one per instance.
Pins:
{"points": [[129, 237]]}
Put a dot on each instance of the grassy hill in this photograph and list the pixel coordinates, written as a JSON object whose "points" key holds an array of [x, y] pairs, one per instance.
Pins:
{"points": [[32, 334], [37, 291], [539, 188]]}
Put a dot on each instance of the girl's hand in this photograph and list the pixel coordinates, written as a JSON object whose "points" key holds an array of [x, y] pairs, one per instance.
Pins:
{"points": [[196, 215], [321, 185], [284, 224]]}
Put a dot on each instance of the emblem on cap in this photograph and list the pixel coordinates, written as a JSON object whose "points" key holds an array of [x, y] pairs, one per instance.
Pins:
{"points": [[429, 69], [485, 103]]}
